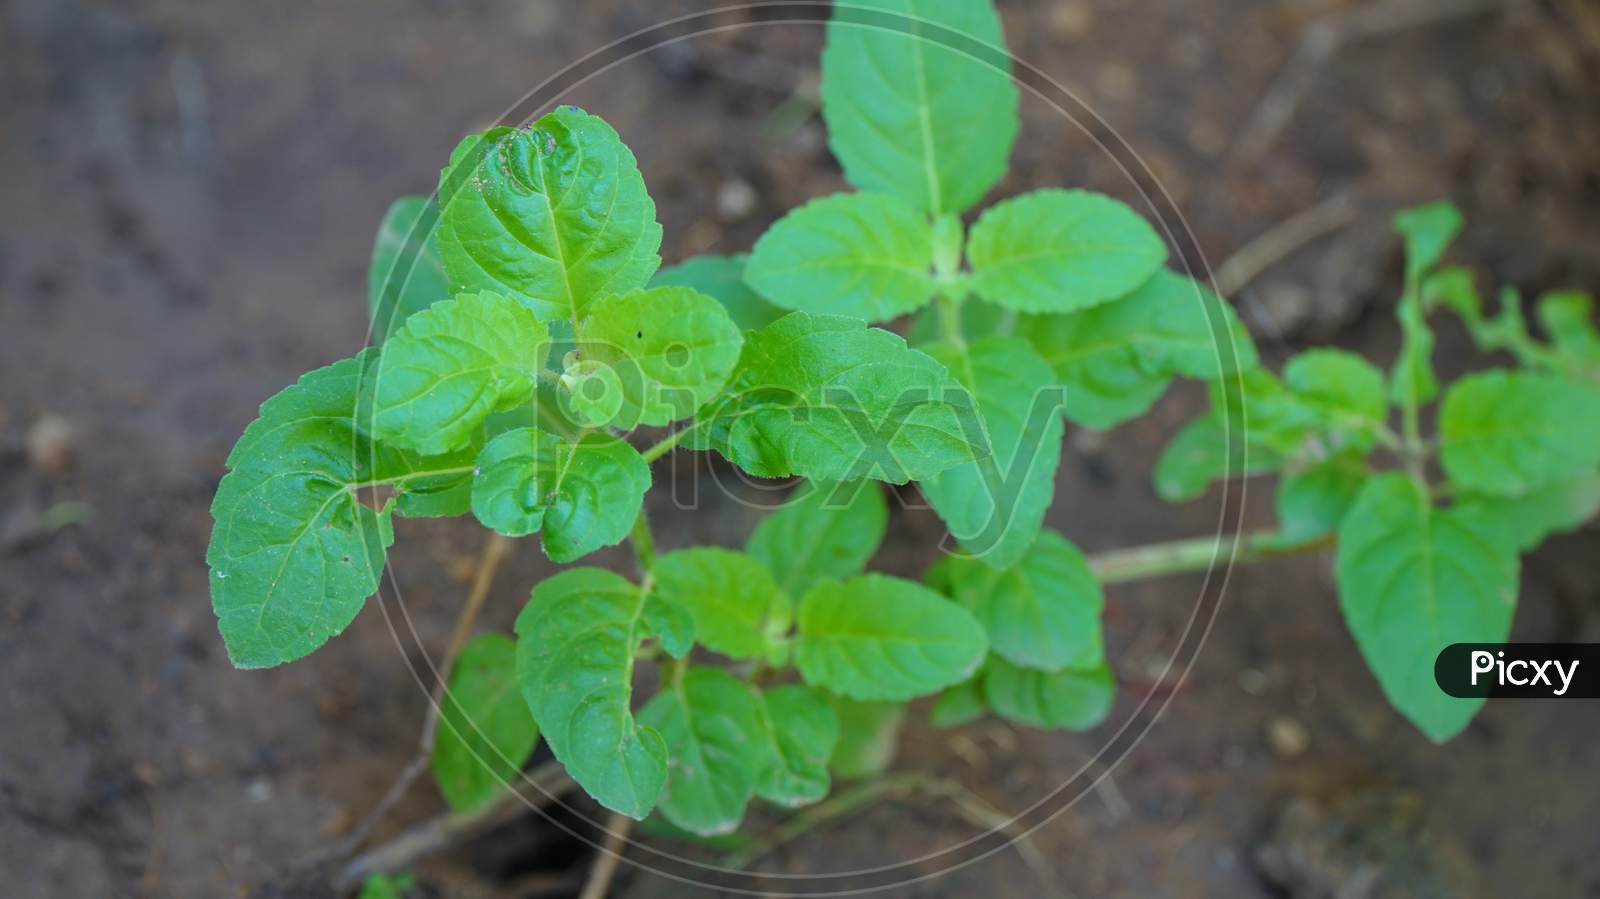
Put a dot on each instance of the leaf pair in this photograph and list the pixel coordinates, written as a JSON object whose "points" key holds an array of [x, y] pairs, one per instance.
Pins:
{"points": [[825, 397], [297, 548], [1046, 666], [729, 741]]}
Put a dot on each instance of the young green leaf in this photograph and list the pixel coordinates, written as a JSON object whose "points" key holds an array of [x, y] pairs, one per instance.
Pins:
{"points": [[1567, 316], [959, 704], [1042, 612], [582, 496], [823, 396], [1525, 520], [918, 99], [1427, 231], [452, 365], [1507, 432], [1312, 501], [1412, 580], [672, 349], [868, 734], [1068, 699], [1206, 450], [406, 274], [1116, 359], [294, 552], [863, 255], [723, 278], [486, 732], [823, 531], [799, 730], [729, 595], [1338, 394], [576, 640], [384, 886], [712, 727], [1061, 250], [994, 505], [880, 637], [555, 215]]}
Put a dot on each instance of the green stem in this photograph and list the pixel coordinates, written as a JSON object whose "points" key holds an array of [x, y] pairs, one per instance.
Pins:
{"points": [[835, 807], [950, 321], [1195, 554], [665, 445], [644, 544]]}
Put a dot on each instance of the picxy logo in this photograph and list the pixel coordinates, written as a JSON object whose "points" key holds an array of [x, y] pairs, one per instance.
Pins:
{"points": [[1522, 672]]}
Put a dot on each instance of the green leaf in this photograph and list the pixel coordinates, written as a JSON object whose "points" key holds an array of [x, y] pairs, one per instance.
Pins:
{"points": [[729, 595], [555, 215], [1116, 359], [995, 505], [959, 704], [880, 637], [1069, 699], [582, 496], [1567, 316], [723, 278], [799, 730], [576, 640], [863, 255], [1412, 580], [1341, 395], [825, 397], [406, 274], [671, 624], [672, 349], [1042, 612], [383, 886], [1507, 432], [1061, 250], [868, 734], [1311, 502], [486, 732], [822, 531], [294, 552], [1204, 451], [451, 366], [918, 99], [1427, 231], [1525, 520], [712, 728]]}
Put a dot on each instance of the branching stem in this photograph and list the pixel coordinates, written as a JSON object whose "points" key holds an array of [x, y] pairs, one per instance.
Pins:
{"points": [[1137, 563]]}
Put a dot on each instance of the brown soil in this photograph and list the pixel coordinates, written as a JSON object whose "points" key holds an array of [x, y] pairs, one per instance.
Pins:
{"points": [[190, 193]]}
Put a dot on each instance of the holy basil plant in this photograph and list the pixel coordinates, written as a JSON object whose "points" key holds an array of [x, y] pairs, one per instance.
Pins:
{"points": [[525, 342]]}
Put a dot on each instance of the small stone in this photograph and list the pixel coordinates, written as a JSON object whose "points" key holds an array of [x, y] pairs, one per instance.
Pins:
{"points": [[259, 791], [50, 443], [1287, 737], [1253, 681], [1070, 22], [1287, 308], [1117, 82], [735, 199]]}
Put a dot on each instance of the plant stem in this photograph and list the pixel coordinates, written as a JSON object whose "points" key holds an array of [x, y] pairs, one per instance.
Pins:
{"points": [[549, 781], [950, 321], [1195, 554], [665, 445], [644, 544], [488, 563], [831, 809], [605, 864]]}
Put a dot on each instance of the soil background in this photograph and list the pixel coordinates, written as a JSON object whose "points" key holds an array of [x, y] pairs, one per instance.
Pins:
{"points": [[190, 193]]}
